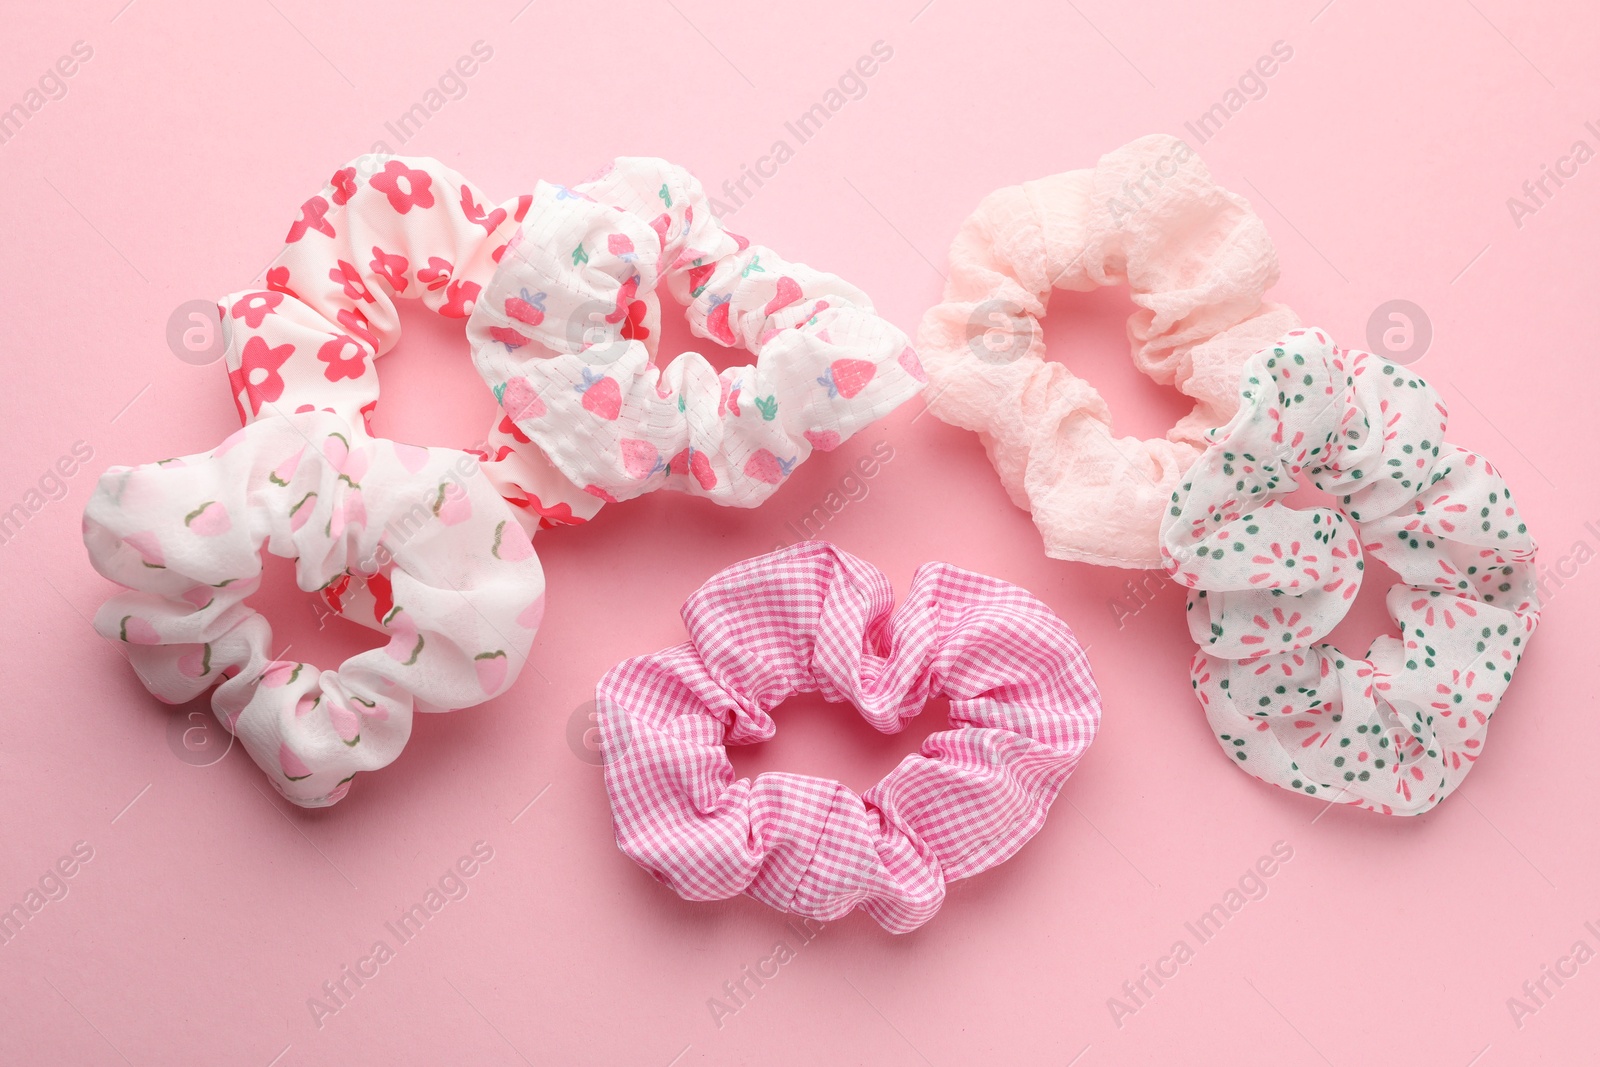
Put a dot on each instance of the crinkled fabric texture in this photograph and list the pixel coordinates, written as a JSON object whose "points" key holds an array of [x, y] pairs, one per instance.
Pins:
{"points": [[380, 231], [1396, 731], [412, 542], [812, 618], [564, 336], [1196, 260]]}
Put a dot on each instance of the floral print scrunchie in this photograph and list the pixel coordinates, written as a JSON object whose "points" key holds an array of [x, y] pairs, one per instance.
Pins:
{"points": [[1397, 730]]}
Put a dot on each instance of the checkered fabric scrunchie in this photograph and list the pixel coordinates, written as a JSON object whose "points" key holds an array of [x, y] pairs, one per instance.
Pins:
{"points": [[812, 618]]}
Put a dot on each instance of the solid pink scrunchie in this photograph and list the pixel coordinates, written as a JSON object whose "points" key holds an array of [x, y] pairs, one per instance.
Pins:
{"points": [[1197, 261], [812, 618]]}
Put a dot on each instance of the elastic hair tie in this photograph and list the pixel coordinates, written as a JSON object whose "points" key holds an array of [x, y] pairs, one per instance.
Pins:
{"points": [[1196, 260], [381, 230], [1395, 732], [412, 542], [812, 618], [557, 336]]}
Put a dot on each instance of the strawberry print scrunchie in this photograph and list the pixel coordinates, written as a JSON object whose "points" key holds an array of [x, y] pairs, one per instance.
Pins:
{"points": [[812, 618], [556, 334], [412, 542], [1196, 260], [1394, 732]]}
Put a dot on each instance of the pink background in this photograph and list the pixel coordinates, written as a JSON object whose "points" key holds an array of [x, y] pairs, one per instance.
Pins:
{"points": [[1381, 157]]}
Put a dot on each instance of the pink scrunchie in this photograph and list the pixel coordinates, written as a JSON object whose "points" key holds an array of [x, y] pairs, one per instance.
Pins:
{"points": [[812, 618], [1196, 260]]}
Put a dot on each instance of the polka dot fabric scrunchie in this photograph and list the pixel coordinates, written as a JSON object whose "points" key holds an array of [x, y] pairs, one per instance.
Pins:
{"points": [[811, 618], [558, 336], [1397, 731]]}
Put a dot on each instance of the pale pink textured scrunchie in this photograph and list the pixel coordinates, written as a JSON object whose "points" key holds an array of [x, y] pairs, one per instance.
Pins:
{"points": [[812, 618], [1196, 260]]}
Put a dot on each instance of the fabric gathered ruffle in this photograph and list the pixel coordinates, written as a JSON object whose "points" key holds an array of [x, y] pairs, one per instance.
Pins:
{"points": [[412, 542], [812, 618], [1395, 731], [565, 336], [1196, 260]]}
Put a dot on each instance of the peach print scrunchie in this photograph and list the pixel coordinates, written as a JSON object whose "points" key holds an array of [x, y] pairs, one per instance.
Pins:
{"points": [[1197, 261], [412, 542]]}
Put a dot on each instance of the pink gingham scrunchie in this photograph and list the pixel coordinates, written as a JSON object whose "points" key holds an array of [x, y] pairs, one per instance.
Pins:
{"points": [[812, 618], [1396, 731]]}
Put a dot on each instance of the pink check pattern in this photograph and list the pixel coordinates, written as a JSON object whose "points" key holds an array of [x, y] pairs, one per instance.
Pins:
{"points": [[812, 618]]}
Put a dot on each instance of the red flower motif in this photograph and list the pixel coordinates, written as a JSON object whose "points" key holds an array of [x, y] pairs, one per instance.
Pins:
{"points": [[554, 515], [406, 188], [392, 267], [1285, 627], [333, 593], [354, 288], [340, 365], [278, 282], [490, 221], [436, 275], [1314, 727], [633, 327], [500, 453], [311, 218], [257, 376], [510, 428], [357, 324], [253, 308], [344, 185], [460, 298]]}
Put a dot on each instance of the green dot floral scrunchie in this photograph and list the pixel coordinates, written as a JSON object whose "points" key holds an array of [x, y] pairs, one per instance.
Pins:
{"points": [[1395, 732]]}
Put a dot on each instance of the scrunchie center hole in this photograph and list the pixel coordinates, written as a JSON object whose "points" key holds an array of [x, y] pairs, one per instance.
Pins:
{"points": [[1368, 616], [430, 394], [1088, 333], [833, 741], [304, 627]]}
